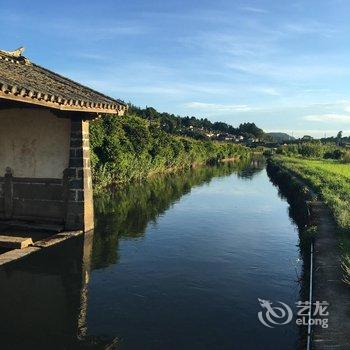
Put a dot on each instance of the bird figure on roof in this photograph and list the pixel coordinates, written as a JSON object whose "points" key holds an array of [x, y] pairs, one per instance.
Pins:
{"points": [[16, 53]]}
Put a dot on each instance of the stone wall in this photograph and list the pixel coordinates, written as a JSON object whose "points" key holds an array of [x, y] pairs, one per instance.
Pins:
{"points": [[80, 194]]}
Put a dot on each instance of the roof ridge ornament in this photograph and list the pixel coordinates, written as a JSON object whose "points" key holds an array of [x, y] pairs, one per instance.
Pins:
{"points": [[15, 56], [16, 53]]}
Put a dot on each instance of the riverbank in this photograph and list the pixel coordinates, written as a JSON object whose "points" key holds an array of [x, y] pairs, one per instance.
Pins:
{"points": [[329, 276], [331, 181], [131, 149]]}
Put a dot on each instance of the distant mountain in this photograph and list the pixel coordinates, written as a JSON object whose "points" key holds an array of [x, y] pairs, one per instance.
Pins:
{"points": [[281, 136]]}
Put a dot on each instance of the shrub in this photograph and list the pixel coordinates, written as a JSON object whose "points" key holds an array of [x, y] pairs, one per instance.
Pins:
{"points": [[346, 157], [130, 148], [335, 154]]}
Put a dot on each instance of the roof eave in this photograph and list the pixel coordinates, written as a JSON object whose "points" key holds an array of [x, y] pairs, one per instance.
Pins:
{"points": [[72, 105]]}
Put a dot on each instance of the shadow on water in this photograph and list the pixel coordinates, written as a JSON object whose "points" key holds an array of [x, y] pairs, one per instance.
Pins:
{"points": [[44, 299], [127, 212], [298, 213]]}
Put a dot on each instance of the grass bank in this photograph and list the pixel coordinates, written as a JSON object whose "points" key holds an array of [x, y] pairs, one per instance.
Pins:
{"points": [[330, 179], [131, 149]]}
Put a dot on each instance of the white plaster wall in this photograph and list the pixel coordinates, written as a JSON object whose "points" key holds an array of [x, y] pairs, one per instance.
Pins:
{"points": [[33, 143]]}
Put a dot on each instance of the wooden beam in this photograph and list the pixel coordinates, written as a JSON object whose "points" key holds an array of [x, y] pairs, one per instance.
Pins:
{"points": [[15, 242]]}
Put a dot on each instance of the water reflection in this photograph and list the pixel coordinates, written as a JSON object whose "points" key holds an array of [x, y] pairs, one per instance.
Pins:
{"points": [[44, 299], [298, 213], [187, 273], [127, 212]]}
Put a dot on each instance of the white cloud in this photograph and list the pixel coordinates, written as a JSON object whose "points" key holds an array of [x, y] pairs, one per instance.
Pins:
{"points": [[117, 88], [288, 72], [340, 118], [312, 27], [254, 41], [102, 32], [336, 105], [66, 27], [253, 9], [91, 56], [269, 91], [218, 107]]}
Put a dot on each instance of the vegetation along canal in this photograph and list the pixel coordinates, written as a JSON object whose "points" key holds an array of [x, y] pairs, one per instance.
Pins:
{"points": [[177, 262]]}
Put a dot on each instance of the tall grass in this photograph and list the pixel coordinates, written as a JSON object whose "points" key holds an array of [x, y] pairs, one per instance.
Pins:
{"points": [[331, 180]]}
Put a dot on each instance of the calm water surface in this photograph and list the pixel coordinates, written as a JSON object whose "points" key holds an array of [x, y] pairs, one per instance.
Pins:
{"points": [[178, 262]]}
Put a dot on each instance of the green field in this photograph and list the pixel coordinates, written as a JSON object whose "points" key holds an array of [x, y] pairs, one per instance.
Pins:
{"points": [[331, 180]]}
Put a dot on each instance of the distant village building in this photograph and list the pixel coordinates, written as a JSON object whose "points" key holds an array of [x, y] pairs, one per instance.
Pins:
{"points": [[210, 135], [45, 173]]}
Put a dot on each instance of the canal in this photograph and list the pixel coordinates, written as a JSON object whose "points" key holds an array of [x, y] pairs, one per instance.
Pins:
{"points": [[178, 262]]}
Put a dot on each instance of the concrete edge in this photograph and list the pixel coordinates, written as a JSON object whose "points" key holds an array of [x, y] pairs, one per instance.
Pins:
{"points": [[19, 254]]}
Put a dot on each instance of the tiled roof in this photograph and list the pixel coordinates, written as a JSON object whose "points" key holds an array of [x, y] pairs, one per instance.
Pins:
{"points": [[25, 81]]}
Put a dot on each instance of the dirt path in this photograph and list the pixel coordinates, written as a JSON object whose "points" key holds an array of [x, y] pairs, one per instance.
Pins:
{"points": [[328, 284]]}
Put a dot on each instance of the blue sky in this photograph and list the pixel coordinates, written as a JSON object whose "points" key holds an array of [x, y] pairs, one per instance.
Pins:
{"points": [[281, 64]]}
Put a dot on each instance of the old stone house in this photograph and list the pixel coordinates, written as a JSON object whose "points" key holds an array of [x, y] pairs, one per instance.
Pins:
{"points": [[45, 174]]}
